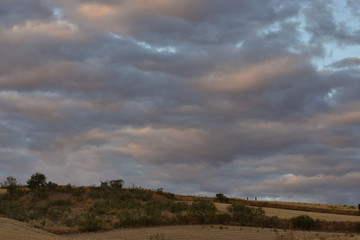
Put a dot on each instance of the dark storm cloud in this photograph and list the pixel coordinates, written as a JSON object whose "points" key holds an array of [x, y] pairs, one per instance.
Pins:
{"points": [[180, 94]]}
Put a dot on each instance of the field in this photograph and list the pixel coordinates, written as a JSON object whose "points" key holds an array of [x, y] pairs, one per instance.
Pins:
{"points": [[284, 213], [10, 229]]}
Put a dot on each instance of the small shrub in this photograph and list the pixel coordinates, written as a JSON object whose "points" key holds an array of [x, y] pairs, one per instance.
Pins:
{"points": [[357, 226], [54, 214], [128, 204], [178, 207], [141, 194], [129, 218], [78, 192], [90, 223], [51, 186], [223, 218], [71, 222], [100, 208], [39, 194], [303, 222], [61, 203], [154, 208], [157, 236]]}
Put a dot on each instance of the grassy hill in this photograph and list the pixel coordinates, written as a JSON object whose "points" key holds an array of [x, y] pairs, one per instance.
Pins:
{"points": [[68, 209]]}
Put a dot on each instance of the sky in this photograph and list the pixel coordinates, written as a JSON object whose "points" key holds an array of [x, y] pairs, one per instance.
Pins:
{"points": [[247, 98]]}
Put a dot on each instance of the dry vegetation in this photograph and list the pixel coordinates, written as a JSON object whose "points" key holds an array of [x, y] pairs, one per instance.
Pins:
{"points": [[111, 208]]}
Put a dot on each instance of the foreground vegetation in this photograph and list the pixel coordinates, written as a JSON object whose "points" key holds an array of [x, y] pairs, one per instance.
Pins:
{"points": [[68, 209]]}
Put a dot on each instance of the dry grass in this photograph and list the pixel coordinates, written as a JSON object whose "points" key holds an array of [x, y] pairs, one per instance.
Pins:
{"points": [[2, 190], [310, 207], [287, 214], [11, 230]]}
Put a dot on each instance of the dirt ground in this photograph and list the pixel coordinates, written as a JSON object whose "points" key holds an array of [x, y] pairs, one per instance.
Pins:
{"points": [[206, 233]]}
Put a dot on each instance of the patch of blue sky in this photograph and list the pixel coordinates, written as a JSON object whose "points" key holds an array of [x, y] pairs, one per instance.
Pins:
{"points": [[336, 53], [57, 13], [343, 14], [158, 49]]}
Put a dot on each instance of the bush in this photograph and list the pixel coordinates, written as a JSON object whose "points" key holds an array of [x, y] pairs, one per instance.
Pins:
{"points": [[245, 215], [39, 194], [127, 204], [357, 226], [90, 223], [303, 222], [223, 218], [202, 211], [51, 186], [178, 207], [78, 192], [71, 222], [274, 222], [129, 218], [61, 203], [117, 184], [100, 208], [54, 214], [141, 194]]}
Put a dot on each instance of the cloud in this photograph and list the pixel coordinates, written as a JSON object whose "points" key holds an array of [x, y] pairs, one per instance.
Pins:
{"points": [[198, 97], [346, 63], [252, 77]]}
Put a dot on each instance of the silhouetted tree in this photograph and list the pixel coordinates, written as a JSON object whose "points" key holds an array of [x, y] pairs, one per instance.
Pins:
{"points": [[10, 183], [222, 198], [37, 180]]}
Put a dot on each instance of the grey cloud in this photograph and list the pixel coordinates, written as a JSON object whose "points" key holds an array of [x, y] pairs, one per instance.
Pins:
{"points": [[323, 27], [198, 97], [346, 62], [16, 12]]}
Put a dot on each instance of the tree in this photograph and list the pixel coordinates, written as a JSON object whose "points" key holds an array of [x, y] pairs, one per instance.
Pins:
{"points": [[37, 181], [117, 184], [10, 183], [222, 198]]}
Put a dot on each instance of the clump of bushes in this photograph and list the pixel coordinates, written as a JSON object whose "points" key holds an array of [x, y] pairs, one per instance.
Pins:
{"points": [[303, 222], [357, 227], [90, 223], [244, 215], [202, 211]]}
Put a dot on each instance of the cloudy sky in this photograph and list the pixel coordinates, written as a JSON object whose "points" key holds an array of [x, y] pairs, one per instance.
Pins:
{"points": [[248, 98]]}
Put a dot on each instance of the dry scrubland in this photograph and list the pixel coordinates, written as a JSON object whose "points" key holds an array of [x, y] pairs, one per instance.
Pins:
{"points": [[44, 210]]}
